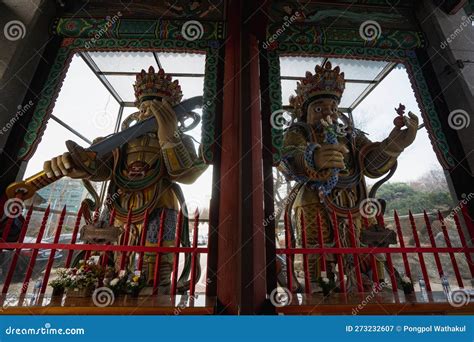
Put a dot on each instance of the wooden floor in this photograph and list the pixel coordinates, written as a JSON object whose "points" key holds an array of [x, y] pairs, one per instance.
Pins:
{"points": [[122, 305], [384, 303], [361, 304]]}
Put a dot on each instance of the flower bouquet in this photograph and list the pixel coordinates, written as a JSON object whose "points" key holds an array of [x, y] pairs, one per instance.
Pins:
{"points": [[135, 282], [78, 281], [114, 281]]}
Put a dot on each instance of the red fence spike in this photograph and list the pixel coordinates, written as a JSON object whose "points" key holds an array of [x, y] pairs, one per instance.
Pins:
{"points": [[375, 271], [16, 255], [143, 240], [360, 286], [319, 225], [52, 253], [289, 259], [420, 255], [112, 217], [388, 257], [105, 256], [307, 284], [340, 264], [439, 266], [365, 222], [401, 241], [469, 261], [32, 262], [192, 285], [174, 279], [451, 254], [391, 272], [156, 274], [74, 235], [96, 216], [125, 241]]}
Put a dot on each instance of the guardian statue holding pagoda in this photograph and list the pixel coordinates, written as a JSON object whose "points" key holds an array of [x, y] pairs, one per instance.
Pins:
{"points": [[329, 159]]}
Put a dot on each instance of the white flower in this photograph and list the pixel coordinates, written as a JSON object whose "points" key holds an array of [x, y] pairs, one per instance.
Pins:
{"points": [[405, 279], [326, 280], [114, 281]]}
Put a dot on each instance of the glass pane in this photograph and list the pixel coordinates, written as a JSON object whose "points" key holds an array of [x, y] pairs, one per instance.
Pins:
{"points": [[351, 93], [357, 69], [84, 103], [191, 86], [297, 65], [182, 62], [133, 61], [287, 89], [123, 85], [52, 144]]}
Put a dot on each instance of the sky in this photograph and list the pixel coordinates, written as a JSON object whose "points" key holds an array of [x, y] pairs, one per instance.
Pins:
{"points": [[86, 105]]}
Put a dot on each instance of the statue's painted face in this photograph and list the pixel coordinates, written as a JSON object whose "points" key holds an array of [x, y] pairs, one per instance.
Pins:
{"points": [[321, 108]]}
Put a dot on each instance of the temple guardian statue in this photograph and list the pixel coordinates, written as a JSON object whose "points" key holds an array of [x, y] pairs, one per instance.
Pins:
{"points": [[328, 159], [144, 171]]}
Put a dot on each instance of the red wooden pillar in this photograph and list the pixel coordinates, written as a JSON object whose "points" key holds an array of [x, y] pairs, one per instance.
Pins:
{"points": [[241, 284]]}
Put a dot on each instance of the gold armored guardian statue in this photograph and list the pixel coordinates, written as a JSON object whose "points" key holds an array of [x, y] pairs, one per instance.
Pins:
{"points": [[328, 160], [143, 172]]}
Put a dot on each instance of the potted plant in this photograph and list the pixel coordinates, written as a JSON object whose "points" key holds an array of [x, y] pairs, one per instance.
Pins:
{"points": [[59, 283]]}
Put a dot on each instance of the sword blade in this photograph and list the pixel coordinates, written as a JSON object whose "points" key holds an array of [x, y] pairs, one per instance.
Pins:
{"points": [[118, 139]]}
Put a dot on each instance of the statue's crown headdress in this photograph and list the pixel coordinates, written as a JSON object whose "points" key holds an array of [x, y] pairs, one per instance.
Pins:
{"points": [[153, 85], [326, 82]]}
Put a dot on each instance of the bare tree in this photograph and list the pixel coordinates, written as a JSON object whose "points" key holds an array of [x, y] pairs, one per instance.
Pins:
{"points": [[433, 180]]}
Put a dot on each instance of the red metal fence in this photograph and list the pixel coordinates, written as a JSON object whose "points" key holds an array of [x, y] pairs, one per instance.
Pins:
{"points": [[464, 249], [123, 247]]}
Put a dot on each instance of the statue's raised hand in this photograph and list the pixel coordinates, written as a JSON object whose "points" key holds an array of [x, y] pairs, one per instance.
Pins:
{"points": [[167, 122], [330, 156], [399, 138]]}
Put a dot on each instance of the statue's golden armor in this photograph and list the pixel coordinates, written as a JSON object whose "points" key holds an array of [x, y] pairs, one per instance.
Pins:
{"points": [[141, 175], [328, 159]]}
